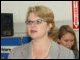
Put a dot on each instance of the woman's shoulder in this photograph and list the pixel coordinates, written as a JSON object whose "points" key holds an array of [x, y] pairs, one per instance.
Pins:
{"points": [[21, 47], [20, 51], [60, 46], [62, 51]]}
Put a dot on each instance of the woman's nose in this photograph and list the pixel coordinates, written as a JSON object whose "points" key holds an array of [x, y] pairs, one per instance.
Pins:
{"points": [[33, 25], [69, 43]]}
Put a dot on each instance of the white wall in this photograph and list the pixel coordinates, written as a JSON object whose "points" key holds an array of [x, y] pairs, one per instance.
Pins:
{"points": [[62, 11]]}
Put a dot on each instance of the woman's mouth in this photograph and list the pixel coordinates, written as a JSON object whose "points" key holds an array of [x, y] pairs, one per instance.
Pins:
{"points": [[33, 31]]}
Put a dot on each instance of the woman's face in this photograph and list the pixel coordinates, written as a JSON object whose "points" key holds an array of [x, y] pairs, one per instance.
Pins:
{"points": [[67, 40], [36, 27]]}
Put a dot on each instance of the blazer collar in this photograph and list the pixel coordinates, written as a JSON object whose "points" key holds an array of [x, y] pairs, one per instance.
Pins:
{"points": [[53, 52]]}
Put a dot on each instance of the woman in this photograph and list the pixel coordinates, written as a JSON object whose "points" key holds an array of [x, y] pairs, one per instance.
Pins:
{"points": [[40, 27], [67, 38]]}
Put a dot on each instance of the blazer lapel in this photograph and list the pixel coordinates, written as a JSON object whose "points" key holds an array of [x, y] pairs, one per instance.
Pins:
{"points": [[27, 51], [54, 51]]}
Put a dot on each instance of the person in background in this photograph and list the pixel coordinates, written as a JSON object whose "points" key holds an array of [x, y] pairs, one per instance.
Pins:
{"points": [[40, 27], [67, 38]]}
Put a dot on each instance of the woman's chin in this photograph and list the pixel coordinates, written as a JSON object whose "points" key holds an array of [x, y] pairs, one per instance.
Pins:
{"points": [[34, 36], [69, 47]]}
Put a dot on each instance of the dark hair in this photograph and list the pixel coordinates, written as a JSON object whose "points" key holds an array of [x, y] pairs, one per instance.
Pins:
{"points": [[67, 29]]}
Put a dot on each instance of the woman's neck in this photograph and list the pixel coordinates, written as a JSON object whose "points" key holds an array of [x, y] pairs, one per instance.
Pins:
{"points": [[41, 43], [40, 47]]}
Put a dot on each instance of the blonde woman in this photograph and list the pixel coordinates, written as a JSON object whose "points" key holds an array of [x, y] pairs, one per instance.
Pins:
{"points": [[40, 27]]}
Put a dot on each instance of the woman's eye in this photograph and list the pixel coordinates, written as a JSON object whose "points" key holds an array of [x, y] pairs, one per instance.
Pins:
{"points": [[72, 40], [66, 40], [38, 21], [28, 22]]}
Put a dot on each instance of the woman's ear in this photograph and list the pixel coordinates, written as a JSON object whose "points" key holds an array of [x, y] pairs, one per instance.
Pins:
{"points": [[50, 25], [58, 41]]}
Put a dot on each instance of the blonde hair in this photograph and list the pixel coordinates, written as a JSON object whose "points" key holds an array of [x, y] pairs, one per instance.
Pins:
{"points": [[46, 14]]}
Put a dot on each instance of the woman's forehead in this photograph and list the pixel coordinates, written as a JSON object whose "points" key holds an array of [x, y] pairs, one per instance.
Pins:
{"points": [[68, 36], [33, 16]]}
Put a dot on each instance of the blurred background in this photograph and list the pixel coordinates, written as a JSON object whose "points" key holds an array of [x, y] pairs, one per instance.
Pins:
{"points": [[63, 16]]}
